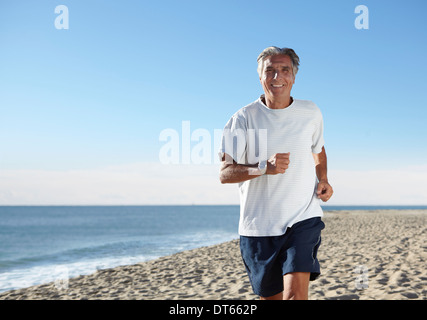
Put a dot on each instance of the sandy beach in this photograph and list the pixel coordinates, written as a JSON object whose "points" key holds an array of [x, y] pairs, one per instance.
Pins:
{"points": [[366, 255]]}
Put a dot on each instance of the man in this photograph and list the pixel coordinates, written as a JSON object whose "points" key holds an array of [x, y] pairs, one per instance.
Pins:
{"points": [[274, 149]]}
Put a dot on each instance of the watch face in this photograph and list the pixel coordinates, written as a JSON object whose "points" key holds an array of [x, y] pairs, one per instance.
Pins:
{"points": [[262, 166]]}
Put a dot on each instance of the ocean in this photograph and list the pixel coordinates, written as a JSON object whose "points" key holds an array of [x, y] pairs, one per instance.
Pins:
{"points": [[39, 242]]}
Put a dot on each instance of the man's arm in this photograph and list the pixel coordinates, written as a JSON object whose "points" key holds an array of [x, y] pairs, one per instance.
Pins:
{"points": [[324, 189], [231, 172]]}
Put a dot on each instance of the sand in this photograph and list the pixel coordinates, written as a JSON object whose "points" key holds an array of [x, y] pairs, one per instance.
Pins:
{"points": [[364, 255]]}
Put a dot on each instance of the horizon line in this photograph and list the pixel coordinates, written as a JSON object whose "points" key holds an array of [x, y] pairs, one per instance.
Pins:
{"points": [[195, 205]]}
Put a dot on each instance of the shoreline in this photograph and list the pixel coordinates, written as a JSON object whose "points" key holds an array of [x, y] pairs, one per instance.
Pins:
{"points": [[365, 254]]}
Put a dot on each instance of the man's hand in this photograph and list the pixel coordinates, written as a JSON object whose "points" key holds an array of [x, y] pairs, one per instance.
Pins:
{"points": [[324, 190], [278, 163]]}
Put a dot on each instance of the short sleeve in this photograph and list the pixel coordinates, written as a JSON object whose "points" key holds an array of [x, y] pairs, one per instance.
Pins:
{"points": [[318, 141], [233, 140]]}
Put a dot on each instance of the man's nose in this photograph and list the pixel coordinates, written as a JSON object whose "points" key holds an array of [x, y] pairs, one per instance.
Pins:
{"points": [[277, 75]]}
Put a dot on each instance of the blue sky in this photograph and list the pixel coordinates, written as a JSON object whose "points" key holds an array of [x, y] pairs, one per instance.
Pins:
{"points": [[98, 95]]}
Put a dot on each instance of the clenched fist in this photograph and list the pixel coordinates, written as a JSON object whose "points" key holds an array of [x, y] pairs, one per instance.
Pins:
{"points": [[324, 190], [278, 163]]}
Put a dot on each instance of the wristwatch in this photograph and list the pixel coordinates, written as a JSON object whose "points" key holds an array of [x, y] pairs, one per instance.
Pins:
{"points": [[262, 167]]}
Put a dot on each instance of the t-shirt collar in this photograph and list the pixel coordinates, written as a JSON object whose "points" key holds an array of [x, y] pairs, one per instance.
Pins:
{"points": [[262, 99]]}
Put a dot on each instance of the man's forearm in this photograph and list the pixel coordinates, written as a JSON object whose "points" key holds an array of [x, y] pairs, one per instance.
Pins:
{"points": [[322, 172], [324, 189], [321, 163], [235, 173], [231, 172]]}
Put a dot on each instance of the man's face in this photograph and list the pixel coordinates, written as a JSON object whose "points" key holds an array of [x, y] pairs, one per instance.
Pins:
{"points": [[277, 77]]}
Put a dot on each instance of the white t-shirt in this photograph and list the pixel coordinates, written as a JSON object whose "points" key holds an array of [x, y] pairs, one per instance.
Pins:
{"points": [[269, 204]]}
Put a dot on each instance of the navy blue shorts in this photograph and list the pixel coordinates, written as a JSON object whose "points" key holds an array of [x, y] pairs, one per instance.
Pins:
{"points": [[267, 259]]}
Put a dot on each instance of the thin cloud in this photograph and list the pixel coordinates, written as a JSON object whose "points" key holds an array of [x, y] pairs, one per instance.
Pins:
{"points": [[156, 184]]}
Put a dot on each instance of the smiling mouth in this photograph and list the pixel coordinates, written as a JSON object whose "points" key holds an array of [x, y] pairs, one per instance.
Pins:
{"points": [[277, 85]]}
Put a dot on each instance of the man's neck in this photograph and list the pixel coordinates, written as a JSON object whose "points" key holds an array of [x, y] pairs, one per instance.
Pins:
{"points": [[278, 103]]}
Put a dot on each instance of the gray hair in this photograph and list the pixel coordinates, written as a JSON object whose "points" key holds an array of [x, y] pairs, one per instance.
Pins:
{"points": [[274, 51]]}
